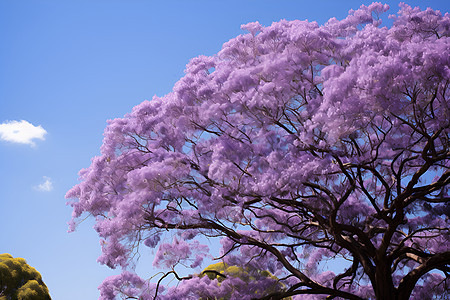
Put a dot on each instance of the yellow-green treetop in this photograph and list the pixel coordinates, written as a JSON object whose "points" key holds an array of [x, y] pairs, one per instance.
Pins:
{"points": [[20, 281], [246, 277]]}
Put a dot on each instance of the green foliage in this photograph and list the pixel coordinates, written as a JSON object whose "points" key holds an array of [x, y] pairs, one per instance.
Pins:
{"points": [[221, 271], [19, 281], [212, 271]]}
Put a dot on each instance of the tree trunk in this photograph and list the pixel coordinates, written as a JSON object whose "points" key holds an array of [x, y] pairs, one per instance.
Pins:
{"points": [[384, 286]]}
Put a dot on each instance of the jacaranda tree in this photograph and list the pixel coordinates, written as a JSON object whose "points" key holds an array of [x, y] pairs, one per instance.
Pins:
{"points": [[299, 146]]}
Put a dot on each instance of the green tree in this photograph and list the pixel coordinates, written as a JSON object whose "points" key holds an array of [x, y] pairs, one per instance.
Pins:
{"points": [[262, 282], [19, 281]]}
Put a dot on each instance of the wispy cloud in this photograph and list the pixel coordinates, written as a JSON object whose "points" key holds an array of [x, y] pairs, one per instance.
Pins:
{"points": [[21, 132], [45, 186]]}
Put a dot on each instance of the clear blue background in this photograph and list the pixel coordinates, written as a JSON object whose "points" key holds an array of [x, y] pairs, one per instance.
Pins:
{"points": [[70, 65]]}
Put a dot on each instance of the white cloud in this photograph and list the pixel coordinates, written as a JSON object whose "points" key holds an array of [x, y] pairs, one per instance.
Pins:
{"points": [[46, 186], [21, 132]]}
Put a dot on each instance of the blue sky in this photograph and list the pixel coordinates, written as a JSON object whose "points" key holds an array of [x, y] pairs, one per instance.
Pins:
{"points": [[68, 66]]}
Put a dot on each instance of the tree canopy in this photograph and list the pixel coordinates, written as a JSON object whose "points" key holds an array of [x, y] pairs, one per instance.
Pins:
{"points": [[19, 281], [230, 280], [295, 145]]}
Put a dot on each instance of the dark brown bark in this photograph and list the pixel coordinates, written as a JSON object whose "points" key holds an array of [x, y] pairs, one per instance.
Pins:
{"points": [[384, 286], [408, 282]]}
